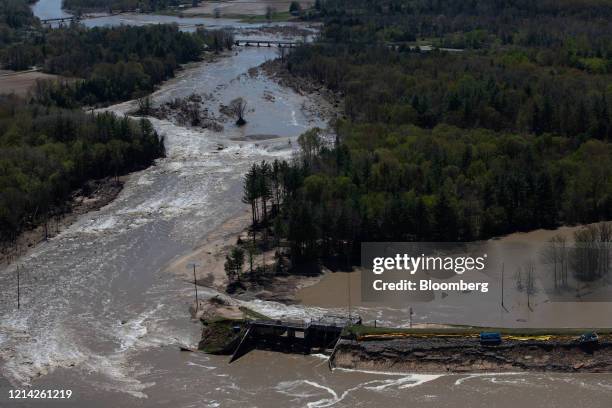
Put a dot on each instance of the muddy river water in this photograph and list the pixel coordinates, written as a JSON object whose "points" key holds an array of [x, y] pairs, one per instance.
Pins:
{"points": [[103, 317]]}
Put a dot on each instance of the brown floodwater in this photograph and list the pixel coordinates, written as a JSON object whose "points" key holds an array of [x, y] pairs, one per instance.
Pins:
{"points": [[546, 307], [103, 317], [265, 379]]}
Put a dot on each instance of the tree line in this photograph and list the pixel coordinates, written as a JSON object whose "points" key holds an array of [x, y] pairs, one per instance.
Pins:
{"points": [[110, 64], [587, 257], [47, 152], [508, 135], [48, 145], [122, 5], [502, 91], [107, 64], [382, 183]]}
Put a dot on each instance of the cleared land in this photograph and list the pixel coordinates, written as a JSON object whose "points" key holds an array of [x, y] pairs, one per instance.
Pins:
{"points": [[21, 82], [242, 7]]}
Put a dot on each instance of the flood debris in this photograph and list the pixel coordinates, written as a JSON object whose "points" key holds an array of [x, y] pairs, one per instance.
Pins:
{"points": [[191, 111]]}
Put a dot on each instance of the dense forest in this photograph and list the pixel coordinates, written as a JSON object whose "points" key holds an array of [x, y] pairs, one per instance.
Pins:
{"points": [[110, 63], [115, 63], [47, 152], [511, 134], [15, 18], [48, 145]]}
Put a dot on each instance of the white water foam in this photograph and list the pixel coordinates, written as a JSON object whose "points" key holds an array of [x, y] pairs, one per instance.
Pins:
{"points": [[296, 388], [484, 375]]}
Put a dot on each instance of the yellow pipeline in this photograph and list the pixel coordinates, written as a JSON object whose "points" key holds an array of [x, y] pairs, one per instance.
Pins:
{"points": [[423, 335], [524, 338], [392, 335]]}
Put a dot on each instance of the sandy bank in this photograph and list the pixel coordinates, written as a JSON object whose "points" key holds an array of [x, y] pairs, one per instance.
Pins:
{"points": [[210, 254]]}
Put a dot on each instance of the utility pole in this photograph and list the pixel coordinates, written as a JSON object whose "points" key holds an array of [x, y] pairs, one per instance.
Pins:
{"points": [[18, 290], [348, 277], [502, 288], [194, 265], [411, 313]]}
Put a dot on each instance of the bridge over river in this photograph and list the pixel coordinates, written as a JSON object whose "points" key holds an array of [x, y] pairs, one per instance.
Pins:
{"points": [[60, 20], [248, 42]]}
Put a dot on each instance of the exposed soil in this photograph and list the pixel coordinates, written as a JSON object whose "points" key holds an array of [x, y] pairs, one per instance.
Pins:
{"points": [[93, 196], [224, 323], [20, 83], [212, 252], [277, 71]]}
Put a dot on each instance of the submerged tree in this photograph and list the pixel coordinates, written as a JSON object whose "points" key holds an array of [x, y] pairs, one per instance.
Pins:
{"points": [[145, 106], [591, 254], [237, 108], [585, 256], [518, 278], [270, 11], [554, 254], [530, 286]]}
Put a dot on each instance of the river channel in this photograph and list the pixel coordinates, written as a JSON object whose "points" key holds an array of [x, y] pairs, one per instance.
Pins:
{"points": [[102, 316]]}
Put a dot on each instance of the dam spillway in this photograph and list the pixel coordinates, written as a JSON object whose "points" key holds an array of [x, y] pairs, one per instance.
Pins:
{"points": [[291, 336]]}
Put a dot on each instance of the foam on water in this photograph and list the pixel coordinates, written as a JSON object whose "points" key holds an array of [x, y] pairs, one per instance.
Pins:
{"points": [[105, 268], [308, 389], [469, 377], [278, 310]]}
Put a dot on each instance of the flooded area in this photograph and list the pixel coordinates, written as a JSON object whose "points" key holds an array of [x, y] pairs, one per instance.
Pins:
{"points": [[547, 307], [47, 9], [51, 9], [102, 315]]}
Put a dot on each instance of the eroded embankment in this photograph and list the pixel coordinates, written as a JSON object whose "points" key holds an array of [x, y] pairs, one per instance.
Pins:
{"points": [[453, 354], [92, 196]]}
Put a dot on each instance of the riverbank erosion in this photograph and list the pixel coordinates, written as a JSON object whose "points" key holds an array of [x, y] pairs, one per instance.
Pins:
{"points": [[224, 324], [425, 349], [465, 353], [90, 198]]}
